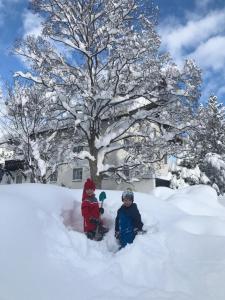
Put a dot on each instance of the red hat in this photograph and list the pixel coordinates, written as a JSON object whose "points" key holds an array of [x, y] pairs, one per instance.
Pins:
{"points": [[89, 184]]}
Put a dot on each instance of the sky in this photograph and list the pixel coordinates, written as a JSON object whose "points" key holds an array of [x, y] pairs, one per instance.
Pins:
{"points": [[188, 29], [181, 257]]}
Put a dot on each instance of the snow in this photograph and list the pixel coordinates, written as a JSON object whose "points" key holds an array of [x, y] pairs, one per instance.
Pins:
{"points": [[215, 160], [41, 163], [45, 255], [28, 76], [84, 154]]}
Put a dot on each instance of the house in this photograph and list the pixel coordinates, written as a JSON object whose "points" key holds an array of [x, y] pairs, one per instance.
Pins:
{"points": [[74, 176]]}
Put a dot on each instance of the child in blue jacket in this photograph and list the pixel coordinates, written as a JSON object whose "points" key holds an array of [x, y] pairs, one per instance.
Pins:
{"points": [[128, 220]]}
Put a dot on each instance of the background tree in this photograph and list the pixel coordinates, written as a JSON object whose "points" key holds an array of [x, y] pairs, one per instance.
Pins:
{"points": [[208, 136], [204, 156], [100, 61], [28, 129]]}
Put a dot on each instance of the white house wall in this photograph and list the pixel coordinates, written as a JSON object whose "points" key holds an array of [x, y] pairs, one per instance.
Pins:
{"points": [[143, 186], [65, 178], [65, 175]]}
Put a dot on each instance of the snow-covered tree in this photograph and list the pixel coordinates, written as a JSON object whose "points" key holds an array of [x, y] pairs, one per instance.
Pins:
{"points": [[29, 133], [204, 157], [185, 173], [208, 136], [100, 61], [214, 167]]}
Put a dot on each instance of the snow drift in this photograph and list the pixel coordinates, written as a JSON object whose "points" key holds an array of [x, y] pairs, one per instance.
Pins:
{"points": [[45, 255]]}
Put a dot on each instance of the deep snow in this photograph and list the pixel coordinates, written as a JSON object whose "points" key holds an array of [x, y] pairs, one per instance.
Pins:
{"points": [[44, 255]]}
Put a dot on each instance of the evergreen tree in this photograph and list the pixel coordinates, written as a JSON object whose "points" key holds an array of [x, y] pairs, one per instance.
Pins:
{"points": [[209, 135], [205, 149]]}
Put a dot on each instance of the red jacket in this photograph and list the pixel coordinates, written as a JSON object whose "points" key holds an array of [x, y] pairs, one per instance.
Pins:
{"points": [[90, 209]]}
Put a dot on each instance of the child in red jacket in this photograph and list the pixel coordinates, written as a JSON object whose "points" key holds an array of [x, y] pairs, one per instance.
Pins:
{"points": [[91, 212]]}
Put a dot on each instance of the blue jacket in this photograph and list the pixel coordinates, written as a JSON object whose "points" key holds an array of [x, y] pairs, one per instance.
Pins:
{"points": [[127, 219]]}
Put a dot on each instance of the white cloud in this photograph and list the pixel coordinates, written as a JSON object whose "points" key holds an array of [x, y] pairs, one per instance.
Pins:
{"points": [[31, 24], [181, 39], [211, 54], [200, 36]]}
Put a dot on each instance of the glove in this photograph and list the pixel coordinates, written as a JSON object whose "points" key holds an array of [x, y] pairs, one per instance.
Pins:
{"points": [[117, 235], [101, 210], [142, 231], [95, 221], [136, 231]]}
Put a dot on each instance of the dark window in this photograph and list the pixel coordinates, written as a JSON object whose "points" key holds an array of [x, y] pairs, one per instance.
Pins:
{"points": [[13, 165], [78, 149], [77, 174], [162, 182]]}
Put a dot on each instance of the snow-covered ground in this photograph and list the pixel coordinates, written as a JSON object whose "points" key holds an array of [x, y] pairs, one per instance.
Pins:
{"points": [[42, 258]]}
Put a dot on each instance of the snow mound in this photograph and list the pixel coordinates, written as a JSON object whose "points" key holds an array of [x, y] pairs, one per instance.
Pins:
{"points": [[163, 192], [198, 200], [45, 255]]}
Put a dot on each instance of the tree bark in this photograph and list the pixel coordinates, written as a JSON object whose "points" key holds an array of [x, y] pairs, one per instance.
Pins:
{"points": [[93, 167], [93, 172]]}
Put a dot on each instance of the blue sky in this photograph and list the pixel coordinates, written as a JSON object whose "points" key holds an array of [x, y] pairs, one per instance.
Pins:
{"points": [[188, 29]]}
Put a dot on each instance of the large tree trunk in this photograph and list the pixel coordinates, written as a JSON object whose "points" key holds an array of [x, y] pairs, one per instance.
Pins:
{"points": [[93, 168], [93, 172]]}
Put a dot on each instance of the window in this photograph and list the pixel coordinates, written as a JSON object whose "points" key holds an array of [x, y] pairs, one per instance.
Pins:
{"points": [[19, 178], [77, 174], [54, 176], [78, 149]]}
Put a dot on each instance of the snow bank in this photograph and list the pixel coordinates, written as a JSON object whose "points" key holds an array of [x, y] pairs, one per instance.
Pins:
{"points": [[45, 255]]}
